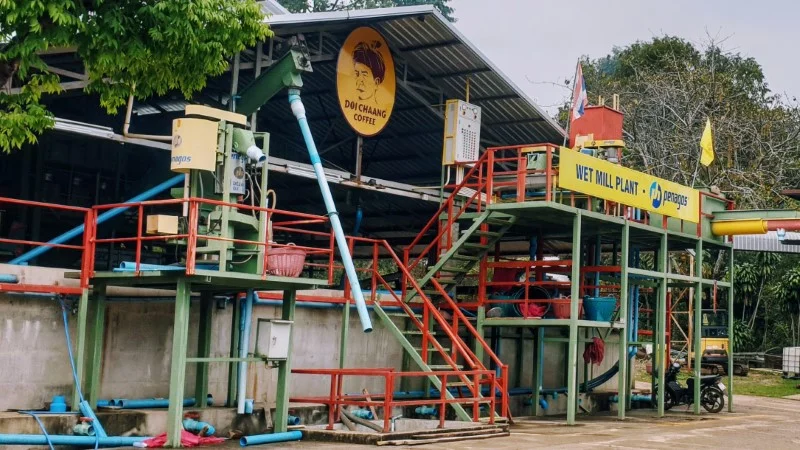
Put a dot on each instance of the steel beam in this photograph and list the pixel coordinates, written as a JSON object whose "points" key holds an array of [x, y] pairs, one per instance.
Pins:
{"points": [[572, 354], [285, 367], [624, 382], [98, 307], [661, 327], [203, 348], [80, 347], [730, 332], [177, 374], [698, 324]]}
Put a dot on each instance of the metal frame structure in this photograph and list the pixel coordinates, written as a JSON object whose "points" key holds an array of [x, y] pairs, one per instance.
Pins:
{"points": [[477, 203]]}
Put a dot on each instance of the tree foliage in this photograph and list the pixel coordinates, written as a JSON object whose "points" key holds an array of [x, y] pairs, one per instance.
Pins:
{"points": [[668, 87], [300, 6], [154, 45]]}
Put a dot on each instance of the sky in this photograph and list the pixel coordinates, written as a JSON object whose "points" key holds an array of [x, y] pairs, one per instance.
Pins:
{"points": [[538, 42]]}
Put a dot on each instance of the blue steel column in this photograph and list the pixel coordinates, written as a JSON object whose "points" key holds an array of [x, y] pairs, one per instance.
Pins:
{"points": [[572, 356], [299, 112], [622, 388], [244, 348]]}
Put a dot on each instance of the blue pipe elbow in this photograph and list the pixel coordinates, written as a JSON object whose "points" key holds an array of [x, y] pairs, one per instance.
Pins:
{"points": [[543, 404], [197, 427], [292, 420]]}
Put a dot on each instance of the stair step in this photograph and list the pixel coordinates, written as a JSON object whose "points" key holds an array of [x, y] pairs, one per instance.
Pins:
{"points": [[460, 257], [431, 350], [487, 233], [417, 333], [466, 434], [455, 269], [445, 367], [403, 315], [474, 245], [496, 419], [498, 221]]}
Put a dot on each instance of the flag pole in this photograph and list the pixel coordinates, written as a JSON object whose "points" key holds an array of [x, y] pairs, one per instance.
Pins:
{"points": [[571, 101], [696, 169]]}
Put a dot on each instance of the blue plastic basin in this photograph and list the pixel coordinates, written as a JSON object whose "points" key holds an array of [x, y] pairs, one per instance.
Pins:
{"points": [[599, 308]]}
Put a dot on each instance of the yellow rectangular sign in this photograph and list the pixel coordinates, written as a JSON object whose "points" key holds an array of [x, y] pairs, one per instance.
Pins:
{"points": [[602, 179]]}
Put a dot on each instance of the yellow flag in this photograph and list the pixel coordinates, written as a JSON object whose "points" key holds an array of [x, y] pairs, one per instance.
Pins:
{"points": [[707, 145]]}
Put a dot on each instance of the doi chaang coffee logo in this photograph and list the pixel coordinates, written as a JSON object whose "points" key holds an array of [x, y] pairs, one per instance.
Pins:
{"points": [[365, 81]]}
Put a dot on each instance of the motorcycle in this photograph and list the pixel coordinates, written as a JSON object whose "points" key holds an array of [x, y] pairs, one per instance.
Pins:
{"points": [[712, 391]]}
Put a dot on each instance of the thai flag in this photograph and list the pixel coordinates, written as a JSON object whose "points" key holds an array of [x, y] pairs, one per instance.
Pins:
{"points": [[579, 97]]}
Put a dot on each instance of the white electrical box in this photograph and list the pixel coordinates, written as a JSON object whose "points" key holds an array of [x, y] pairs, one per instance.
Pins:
{"points": [[462, 132], [791, 360], [272, 338]]}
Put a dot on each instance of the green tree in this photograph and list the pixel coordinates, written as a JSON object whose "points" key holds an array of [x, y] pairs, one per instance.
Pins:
{"points": [[300, 6], [156, 46], [669, 86]]}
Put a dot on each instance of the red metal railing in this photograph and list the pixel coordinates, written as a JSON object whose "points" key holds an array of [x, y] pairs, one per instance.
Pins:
{"points": [[460, 353], [306, 226], [86, 214], [336, 398]]}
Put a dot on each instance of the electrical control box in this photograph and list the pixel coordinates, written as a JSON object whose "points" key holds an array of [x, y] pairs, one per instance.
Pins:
{"points": [[272, 338], [237, 181], [462, 132], [194, 145]]}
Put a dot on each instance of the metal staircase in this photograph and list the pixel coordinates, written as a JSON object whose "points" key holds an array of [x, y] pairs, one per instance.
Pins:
{"points": [[439, 326]]}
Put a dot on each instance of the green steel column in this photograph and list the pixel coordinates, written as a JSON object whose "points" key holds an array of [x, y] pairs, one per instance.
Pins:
{"points": [[97, 331], [481, 316], [730, 333], [177, 373], [233, 367], [345, 332], [284, 369], [661, 351], [697, 326], [203, 348], [80, 347], [622, 388], [572, 354]]}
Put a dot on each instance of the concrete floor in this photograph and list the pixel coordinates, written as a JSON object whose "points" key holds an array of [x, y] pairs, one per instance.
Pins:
{"points": [[759, 422]]}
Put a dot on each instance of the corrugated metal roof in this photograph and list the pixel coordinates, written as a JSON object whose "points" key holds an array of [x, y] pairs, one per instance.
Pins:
{"points": [[273, 7], [428, 50], [767, 243]]}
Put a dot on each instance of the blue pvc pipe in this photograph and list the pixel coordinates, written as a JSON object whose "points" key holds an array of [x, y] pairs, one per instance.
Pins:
{"points": [[426, 411], [362, 413], [321, 305], [292, 420], [271, 438], [129, 266], [299, 112], [77, 231], [70, 440], [6, 278], [244, 347], [145, 403], [86, 410]]}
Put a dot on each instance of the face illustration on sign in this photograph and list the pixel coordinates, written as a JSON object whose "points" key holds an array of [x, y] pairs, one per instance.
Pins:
{"points": [[365, 81]]}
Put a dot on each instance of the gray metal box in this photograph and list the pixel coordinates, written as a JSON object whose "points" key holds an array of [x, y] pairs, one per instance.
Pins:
{"points": [[272, 338]]}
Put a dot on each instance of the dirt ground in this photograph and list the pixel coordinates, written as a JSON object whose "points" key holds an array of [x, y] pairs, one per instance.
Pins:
{"points": [[759, 422]]}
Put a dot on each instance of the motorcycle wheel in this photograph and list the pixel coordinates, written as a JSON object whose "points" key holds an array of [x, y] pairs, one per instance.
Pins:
{"points": [[669, 399], [712, 399]]}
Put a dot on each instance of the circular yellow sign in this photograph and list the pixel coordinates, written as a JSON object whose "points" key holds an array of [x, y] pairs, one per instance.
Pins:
{"points": [[365, 81]]}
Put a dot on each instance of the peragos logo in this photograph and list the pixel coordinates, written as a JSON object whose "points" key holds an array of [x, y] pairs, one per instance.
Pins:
{"points": [[656, 194]]}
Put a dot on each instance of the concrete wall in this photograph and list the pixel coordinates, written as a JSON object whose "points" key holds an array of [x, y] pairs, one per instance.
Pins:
{"points": [[34, 364], [138, 343]]}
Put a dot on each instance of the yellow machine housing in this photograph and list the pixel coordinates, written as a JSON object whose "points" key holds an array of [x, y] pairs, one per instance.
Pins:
{"points": [[194, 145]]}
